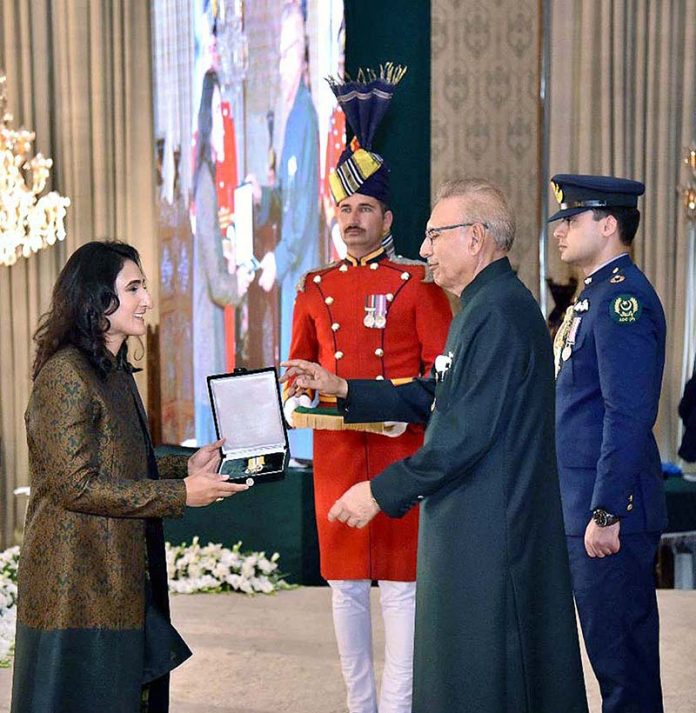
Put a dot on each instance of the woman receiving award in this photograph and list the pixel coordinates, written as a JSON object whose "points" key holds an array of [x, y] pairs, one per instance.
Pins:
{"points": [[93, 628]]}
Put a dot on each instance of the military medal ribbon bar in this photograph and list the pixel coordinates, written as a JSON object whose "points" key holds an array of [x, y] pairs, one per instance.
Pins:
{"points": [[376, 311]]}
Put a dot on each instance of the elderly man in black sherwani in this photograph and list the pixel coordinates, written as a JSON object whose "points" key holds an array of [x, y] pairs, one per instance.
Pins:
{"points": [[495, 626]]}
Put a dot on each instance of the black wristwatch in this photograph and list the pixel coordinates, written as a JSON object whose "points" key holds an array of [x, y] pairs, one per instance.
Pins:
{"points": [[603, 518]]}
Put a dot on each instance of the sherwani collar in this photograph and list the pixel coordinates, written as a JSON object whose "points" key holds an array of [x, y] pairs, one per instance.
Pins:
{"points": [[498, 268]]}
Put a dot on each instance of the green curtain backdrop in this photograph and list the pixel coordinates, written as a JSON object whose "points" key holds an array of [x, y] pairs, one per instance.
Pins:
{"points": [[379, 31]]}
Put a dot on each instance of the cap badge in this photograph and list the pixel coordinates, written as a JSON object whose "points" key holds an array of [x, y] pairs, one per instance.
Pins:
{"points": [[557, 191]]}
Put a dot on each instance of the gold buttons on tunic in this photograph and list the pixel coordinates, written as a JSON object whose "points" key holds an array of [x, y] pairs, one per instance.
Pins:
{"points": [[405, 275], [379, 352], [343, 268], [374, 266], [335, 326], [379, 377], [338, 355], [329, 300], [629, 507], [317, 279], [390, 297]]}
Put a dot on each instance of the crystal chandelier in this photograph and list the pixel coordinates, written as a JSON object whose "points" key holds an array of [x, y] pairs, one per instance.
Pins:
{"points": [[28, 222]]}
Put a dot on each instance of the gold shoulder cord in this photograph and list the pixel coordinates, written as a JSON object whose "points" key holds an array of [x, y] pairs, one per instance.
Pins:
{"points": [[561, 336]]}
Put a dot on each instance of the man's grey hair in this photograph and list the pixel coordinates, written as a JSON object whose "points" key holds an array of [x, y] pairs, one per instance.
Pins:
{"points": [[485, 203]]}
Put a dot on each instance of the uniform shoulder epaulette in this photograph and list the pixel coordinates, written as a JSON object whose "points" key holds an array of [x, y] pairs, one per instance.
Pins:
{"points": [[400, 260], [616, 278], [299, 287]]}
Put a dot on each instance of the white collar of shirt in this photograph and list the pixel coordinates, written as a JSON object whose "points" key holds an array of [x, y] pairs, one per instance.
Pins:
{"points": [[604, 264]]}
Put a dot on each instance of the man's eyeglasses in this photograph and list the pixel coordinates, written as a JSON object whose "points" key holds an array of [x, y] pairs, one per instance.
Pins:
{"points": [[432, 234]]}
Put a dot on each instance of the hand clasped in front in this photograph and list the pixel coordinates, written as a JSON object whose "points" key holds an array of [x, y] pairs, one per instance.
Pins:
{"points": [[356, 507]]}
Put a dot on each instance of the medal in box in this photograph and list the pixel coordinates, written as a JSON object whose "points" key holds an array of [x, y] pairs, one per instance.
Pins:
{"points": [[248, 414]]}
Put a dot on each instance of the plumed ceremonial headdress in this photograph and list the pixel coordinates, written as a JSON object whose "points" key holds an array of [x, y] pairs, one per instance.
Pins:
{"points": [[365, 102]]}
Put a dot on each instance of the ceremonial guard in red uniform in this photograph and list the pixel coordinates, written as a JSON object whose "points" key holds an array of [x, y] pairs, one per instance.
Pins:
{"points": [[372, 316]]}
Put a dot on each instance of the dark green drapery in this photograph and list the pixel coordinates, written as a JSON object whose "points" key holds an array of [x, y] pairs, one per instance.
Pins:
{"points": [[379, 31]]}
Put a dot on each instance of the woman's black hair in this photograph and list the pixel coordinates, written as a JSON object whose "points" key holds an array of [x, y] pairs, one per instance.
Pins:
{"points": [[204, 156], [83, 298]]}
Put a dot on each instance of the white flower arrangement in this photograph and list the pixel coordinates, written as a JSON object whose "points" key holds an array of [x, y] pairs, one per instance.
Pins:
{"points": [[8, 603], [214, 568], [190, 568]]}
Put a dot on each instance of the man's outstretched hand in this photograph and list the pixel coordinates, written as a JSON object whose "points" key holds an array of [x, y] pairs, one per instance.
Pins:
{"points": [[301, 375]]}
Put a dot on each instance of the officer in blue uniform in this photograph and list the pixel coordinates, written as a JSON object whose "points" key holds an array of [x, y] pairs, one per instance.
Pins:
{"points": [[609, 356]]}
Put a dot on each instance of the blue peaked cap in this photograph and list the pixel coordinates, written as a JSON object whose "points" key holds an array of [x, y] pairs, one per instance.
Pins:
{"points": [[577, 193]]}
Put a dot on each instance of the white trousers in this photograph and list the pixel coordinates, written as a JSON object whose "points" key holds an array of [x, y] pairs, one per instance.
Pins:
{"points": [[351, 615]]}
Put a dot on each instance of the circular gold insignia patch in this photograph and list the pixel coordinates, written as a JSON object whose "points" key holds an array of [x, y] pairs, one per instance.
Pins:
{"points": [[625, 309]]}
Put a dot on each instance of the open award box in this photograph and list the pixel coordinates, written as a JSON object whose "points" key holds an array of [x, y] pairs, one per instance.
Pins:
{"points": [[249, 416]]}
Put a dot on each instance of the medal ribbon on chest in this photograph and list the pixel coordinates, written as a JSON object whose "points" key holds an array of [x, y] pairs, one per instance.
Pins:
{"points": [[376, 311], [570, 339], [560, 340], [568, 331]]}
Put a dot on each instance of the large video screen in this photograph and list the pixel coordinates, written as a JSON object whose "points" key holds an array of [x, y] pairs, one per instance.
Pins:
{"points": [[246, 130]]}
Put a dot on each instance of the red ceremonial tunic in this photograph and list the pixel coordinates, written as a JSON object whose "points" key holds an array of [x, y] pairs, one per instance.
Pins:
{"points": [[329, 328]]}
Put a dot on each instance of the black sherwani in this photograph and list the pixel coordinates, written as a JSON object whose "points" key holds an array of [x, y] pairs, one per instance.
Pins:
{"points": [[495, 625]]}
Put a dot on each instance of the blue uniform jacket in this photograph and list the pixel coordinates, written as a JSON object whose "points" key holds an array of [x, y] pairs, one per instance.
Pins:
{"points": [[295, 198], [611, 359]]}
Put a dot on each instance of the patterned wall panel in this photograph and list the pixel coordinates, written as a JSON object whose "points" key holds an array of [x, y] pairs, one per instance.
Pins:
{"points": [[485, 107]]}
